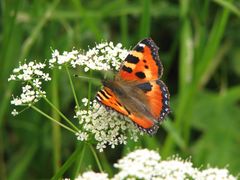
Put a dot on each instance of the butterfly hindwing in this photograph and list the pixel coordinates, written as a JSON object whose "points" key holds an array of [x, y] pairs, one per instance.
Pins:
{"points": [[158, 98], [109, 99], [144, 124], [142, 63]]}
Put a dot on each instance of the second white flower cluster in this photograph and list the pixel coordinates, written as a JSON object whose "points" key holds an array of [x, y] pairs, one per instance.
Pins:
{"points": [[147, 165]]}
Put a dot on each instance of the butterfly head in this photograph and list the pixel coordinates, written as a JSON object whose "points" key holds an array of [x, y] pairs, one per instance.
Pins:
{"points": [[116, 87], [107, 83]]}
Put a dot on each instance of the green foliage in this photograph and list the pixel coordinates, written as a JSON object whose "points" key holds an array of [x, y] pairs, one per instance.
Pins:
{"points": [[199, 47]]}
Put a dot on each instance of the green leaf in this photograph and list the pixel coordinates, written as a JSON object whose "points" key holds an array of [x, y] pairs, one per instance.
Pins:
{"points": [[216, 116]]}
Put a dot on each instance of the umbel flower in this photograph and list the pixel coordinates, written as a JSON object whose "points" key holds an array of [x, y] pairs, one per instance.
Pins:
{"points": [[32, 76], [90, 175], [147, 165], [105, 127], [103, 57]]}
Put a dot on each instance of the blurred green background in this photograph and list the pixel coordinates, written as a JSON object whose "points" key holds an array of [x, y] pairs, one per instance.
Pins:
{"points": [[199, 43]]}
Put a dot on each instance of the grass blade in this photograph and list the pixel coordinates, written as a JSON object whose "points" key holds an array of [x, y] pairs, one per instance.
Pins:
{"points": [[145, 19], [67, 164], [228, 5], [124, 28], [21, 167], [212, 45]]}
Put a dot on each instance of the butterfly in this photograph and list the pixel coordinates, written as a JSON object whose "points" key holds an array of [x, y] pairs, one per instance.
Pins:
{"points": [[136, 90]]}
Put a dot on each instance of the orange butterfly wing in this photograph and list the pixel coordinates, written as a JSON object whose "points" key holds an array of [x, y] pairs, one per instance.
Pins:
{"points": [[107, 97], [142, 63], [158, 97]]}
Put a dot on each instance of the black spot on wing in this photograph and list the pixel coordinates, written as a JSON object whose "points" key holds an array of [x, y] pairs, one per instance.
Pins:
{"points": [[127, 69], [146, 67], [132, 59], [154, 51], [140, 75], [139, 48], [145, 87]]}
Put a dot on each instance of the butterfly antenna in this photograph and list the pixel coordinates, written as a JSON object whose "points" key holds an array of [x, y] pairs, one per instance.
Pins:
{"points": [[87, 78]]}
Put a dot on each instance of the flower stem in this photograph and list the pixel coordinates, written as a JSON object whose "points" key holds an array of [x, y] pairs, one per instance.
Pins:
{"points": [[96, 158], [49, 117], [56, 130], [79, 163], [54, 107], [60, 113], [88, 78], [72, 87]]}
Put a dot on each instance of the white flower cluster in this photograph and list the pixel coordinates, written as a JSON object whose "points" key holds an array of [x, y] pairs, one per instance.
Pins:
{"points": [[105, 128], [60, 59], [139, 164], [215, 173], [175, 169], [147, 165], [32, 76], [104, 56], [90, 175]]}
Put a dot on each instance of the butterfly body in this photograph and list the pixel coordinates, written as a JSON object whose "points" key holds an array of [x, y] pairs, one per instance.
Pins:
{"points": [[137, 91]]}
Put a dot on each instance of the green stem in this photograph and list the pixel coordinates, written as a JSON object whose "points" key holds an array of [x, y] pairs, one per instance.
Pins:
{"points": [[54, 107], [72, 87], [88, 78], [60, 113], [91, 147], [56, 130], [89, 90], [96, 158], [49, 117]]}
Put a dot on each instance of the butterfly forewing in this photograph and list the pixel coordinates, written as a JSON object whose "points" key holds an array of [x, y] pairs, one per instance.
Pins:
{"points": [[142, 63], [109, 99]]}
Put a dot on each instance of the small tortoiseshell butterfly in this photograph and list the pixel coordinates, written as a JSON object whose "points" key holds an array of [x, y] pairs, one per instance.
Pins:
{"points": [[137, 91]]}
